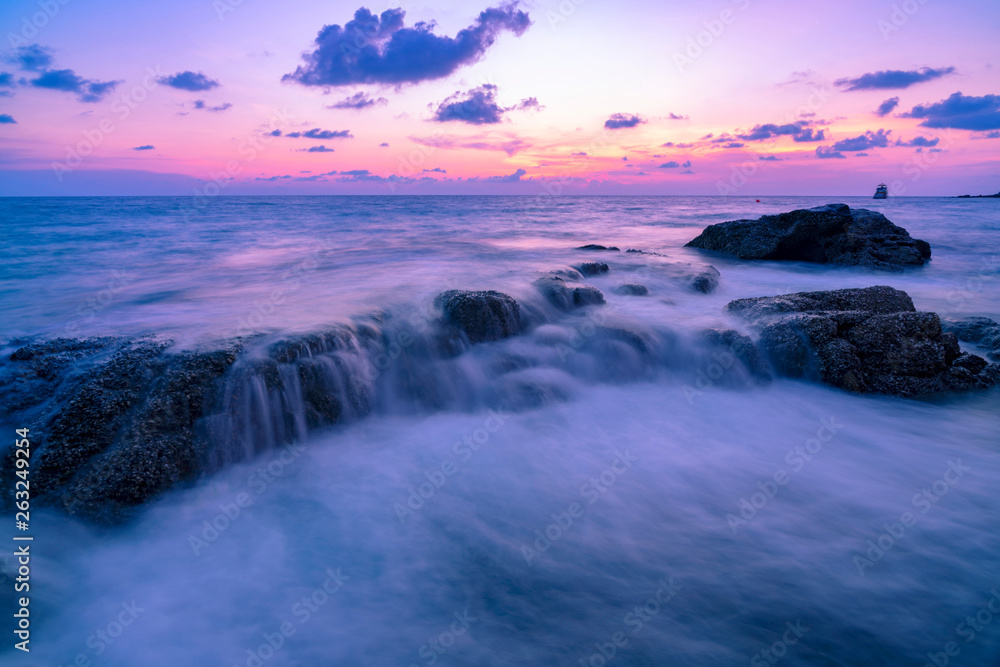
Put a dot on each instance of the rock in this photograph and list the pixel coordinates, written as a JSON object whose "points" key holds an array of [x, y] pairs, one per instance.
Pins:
{"points": [[980, 331], [832, 234], [566, 298], [740, 347], [632, 289], [869, 340], [593, 268], [698, 277], [482, 316], [587, 296], [705, 280], [594, 246]]}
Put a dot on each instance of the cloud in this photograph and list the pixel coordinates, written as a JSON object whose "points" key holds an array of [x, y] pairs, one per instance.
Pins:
{"points": [[33, 58], [887, 107], [962, 112], [768, 158], [7, 118], [380, 49], [579, 154], [317, 133], [687, 171], [867, 140], [193, 81], [358, 101], [734, 144], [486, 143], [438, 170], [509, 178], [674, 116], [383, 145], [147, 147], [275, 133], [6, 80], [993, 135], [686, 164], [799, 131], [825, 152], [87, 90], [316, 149], [478, 107], [622, 120], [923, 142], [673, 164], [893, 78], [200, 104]]}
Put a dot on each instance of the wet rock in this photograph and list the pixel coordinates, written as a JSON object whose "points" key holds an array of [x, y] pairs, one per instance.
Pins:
{"points": [[632, 289], [482, 316], [566, 297], [980, 331], [741, 348], [869, 340], [594, 246], [593, 268], [705, 280], [832, 234], [587, 296]]}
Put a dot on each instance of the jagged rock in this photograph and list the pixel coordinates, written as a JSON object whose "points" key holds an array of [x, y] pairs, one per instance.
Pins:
{"points": [[632, 289], [869, 340], [593, 268], [980, 331], [594, 246], [833, 234], [482, 316]]}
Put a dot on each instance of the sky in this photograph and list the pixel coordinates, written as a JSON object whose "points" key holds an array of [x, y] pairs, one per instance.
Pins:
{"points": [[723, 97]]}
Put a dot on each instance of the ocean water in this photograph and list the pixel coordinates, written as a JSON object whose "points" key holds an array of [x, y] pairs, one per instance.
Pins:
{"points": [[626, 516]]}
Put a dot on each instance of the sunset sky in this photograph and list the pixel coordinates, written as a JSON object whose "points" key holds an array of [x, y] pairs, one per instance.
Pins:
{"points": [[744, 97]]}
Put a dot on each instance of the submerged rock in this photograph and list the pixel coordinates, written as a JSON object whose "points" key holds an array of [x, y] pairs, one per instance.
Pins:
{"points": [[566, 297], [980, 331], [632, 289], [832, 234], [869, 340], [594, 246], [740, 347], [482, 316], [593, 268]]}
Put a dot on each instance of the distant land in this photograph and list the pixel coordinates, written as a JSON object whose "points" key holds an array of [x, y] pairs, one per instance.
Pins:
{"points": [[996, 196]]}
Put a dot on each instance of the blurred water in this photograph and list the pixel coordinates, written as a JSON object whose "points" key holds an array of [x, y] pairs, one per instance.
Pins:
{"points": [[635, 483]]}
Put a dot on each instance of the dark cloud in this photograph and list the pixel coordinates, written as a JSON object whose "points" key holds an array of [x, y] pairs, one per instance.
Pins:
{"points": [[619, 121], [275, 133], [486, 143], [7, 118], [438, 170], [34, 57], [358, 101], [86, 90], [147, 147], [887, 107], [962, 112], [893, 78], [383, 145], [200, 104], [316, 149], [869, 139], [768, 158], [193, 81], [380, 49], [686, 164], [509, 178], [687, 172], [799, 131], [478, 107], [825, 152], [674, 116], [734, 144], [993, 135], [673, 164], [6, 80], [317, 133], [922, 142], [580, 154]]}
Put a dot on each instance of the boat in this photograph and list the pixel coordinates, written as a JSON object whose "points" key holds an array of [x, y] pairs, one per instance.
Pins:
{"points": [[881, 192]]}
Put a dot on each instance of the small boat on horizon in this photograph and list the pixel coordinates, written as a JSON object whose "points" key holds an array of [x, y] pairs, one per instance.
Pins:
{"points": [[882, 191]]}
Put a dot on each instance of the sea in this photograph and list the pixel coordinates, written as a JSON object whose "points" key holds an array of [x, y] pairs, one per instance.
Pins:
{"points": [[549, 499]]}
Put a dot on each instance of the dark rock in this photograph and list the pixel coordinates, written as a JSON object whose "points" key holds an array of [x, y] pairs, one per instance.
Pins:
{"points": [[740, 347], [706, 280], [594, 246], [482, 316], [593, 268], [833, 234], [587, 296], [868, 340], [980, 331], [632, 289]]}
